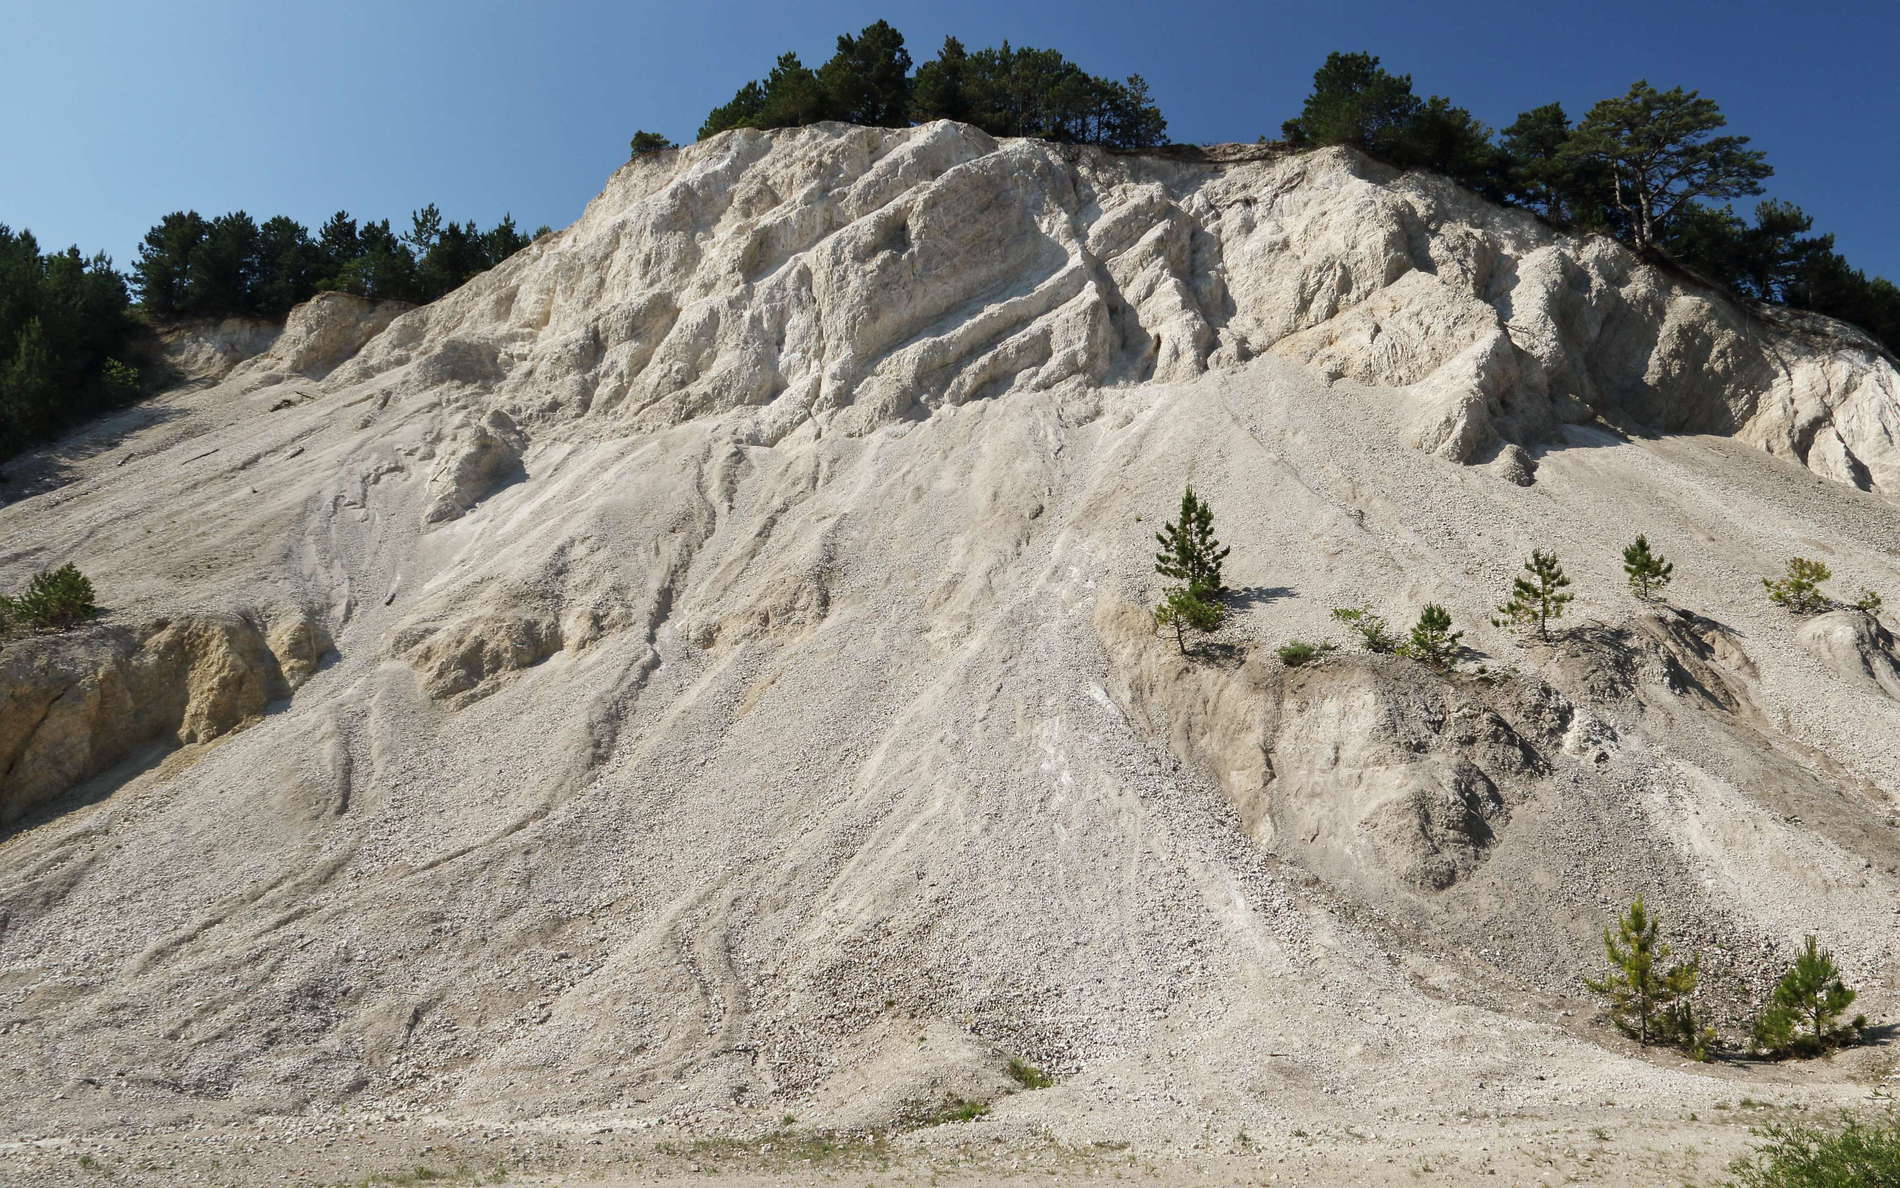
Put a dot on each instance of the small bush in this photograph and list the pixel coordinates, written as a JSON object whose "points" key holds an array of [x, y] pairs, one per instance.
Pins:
{"points": [[1028, 1075], [1799, 590], [1869, 602], [122, 379], [1299, 652], [54, 600], [1432, 640], [1854, 1153], [1375, 634]]}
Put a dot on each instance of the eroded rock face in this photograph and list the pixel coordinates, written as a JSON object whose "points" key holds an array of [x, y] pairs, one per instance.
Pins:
{"points": [[1382, 766], [1855, 645], [459, 662], [1372, 769], [1382, 774], [681, 773], [211, 349], [321, 334], [846, 277], [475, 463], [72, 705]]}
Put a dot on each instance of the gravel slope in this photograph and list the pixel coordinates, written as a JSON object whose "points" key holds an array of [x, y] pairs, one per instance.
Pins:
{"points": [[694, 751]]}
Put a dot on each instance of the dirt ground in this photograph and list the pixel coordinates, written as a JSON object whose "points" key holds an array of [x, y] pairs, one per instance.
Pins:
{"points": [[1611, 1144]]}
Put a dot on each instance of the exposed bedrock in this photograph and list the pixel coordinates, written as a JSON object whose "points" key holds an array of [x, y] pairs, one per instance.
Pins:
{"points": [[1855, 645], [847, 277], [73, 705], [318, 336], [1385, 775]]}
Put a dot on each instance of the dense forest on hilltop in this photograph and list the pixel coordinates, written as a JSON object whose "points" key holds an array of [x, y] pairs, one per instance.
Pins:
{"points": [[1653, 168], [66, 329], [193, 267], [70, 333], [1006, 91]]}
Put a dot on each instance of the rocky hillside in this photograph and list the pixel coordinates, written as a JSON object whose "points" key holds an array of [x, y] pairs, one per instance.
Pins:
{"points": [[698, 671]]}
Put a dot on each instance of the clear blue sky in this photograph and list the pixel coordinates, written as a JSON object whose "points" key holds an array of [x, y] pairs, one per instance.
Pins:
{"points": [[120, 111]]}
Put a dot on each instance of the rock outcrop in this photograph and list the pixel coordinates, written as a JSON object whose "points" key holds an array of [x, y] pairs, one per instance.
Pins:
{"points": [[1857, 646], [477, 461], [73, 705], [320, 335], [207, 350], [847, 277]]}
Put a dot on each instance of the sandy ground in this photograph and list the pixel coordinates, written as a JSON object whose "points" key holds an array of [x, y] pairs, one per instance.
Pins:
{"points": [[1611, 1146]]}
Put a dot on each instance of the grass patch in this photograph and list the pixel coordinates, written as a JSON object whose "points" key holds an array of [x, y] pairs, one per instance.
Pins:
{"points": [[916, 1115], [958, 1110], [1028, 1075], [1299, 652], [1853, 1153]]}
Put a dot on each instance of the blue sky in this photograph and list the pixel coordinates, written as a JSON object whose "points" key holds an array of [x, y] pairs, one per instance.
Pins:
{"points": [[119, 112]]}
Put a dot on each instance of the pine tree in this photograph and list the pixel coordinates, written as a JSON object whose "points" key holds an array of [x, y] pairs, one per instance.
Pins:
{"points": [[504, 240], [1648, 573], [1684, 1029], [53, 601], [425, 228], [645, 142], [868, 80], [1800, 589], [1354, 101], [1432, 640], [1537, 599], [941, 89], [1184, 610], [1642, 989], [289, 264], [1189, 552], [1658, 148], [793, 96], [1804, 1010], [164, 262], [221, 276], [739, 113]]}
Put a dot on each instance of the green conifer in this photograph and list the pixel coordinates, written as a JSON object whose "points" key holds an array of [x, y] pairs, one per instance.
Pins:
{"points": [[1184, 610], [1800, 588], [53, 601], [1805, 1007], [1375, 634], [1432, 640], [1537, 599], [1647, 572], [1189, 553], [1642, 989]]}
